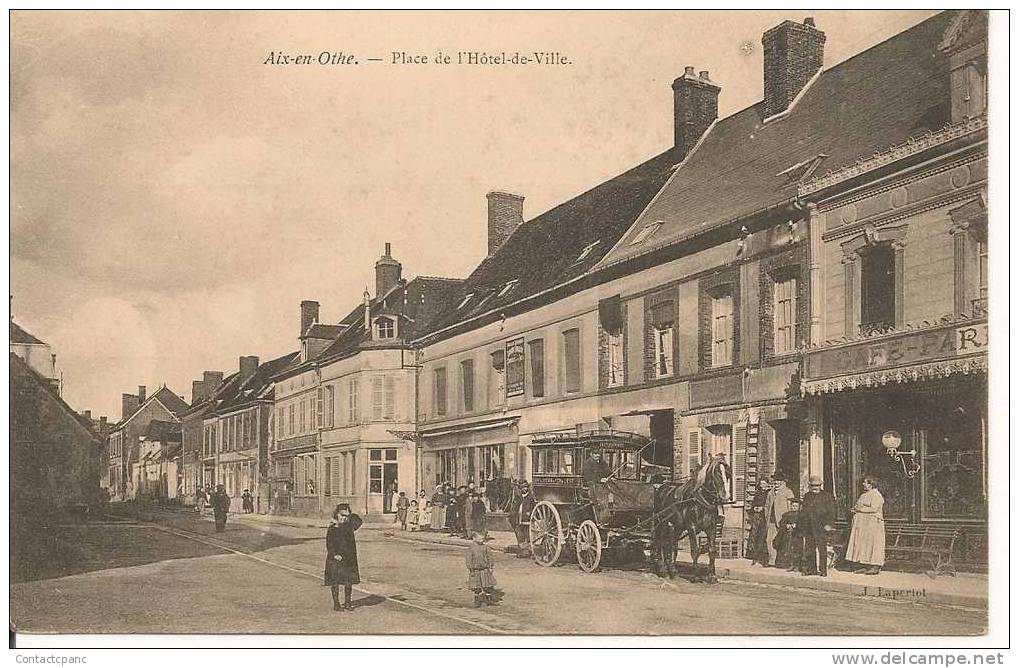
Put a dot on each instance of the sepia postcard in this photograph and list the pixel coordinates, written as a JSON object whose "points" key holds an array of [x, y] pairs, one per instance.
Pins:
{"points": [[507, 324]]}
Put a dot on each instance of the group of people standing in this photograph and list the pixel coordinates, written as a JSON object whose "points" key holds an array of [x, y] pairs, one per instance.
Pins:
{"points": [[458, 511], [792, 533]]}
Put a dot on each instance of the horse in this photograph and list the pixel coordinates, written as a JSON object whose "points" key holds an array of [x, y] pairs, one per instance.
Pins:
{"points": [[687, 509]]}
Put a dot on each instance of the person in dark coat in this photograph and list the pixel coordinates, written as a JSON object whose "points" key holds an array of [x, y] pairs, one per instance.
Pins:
{"points": [[341, 555], [758, 547], [789, 542], [477, 515], [521, 518], [220, 507], [247, 501], [594, 469], [816, 522], [462, 501], [452, 514]]}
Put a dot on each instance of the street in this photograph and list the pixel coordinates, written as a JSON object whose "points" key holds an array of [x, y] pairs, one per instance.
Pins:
{"points": [[178, 576]]}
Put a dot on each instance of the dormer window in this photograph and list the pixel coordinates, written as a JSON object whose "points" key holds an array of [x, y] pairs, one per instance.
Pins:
{"points": [[646, 233], [506, 288], [587, 251], [466, 300], [385, 328]]}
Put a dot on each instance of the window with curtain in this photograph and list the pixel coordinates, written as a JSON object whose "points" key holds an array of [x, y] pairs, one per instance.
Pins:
{"points": [[784, 314], [662, 323], [721, 329]]}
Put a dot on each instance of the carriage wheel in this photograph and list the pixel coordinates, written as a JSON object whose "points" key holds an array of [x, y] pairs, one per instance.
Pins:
{"points": [[589, 546], [546, 534]]}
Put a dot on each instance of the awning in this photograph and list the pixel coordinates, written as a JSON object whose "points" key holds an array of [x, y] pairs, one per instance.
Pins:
{"points": [[934, 370], [231, 457], [460, 429]]}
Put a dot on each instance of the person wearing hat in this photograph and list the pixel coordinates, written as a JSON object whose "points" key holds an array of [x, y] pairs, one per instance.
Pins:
{"points": [[758, 548], [220, 507], [775, 508], [341, 555], [789, 543], [816, 522], [520, 518]]}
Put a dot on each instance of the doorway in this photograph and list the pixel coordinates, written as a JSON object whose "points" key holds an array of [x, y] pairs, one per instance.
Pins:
{"points": [[787, 451], [383, 480]]}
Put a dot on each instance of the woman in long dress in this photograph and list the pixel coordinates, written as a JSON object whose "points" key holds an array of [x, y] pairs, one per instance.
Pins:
{"points": [[341, 555], [438, 509], [424, 512], [867, 537]]}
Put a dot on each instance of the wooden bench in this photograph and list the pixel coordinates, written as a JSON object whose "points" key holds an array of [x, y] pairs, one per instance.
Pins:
{"points": [[908, 542]]}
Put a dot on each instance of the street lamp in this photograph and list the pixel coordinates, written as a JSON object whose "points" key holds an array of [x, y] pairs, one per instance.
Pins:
{"points": [[891, 440]]}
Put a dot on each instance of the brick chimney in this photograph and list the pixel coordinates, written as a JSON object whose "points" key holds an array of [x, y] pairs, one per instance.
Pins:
{"points": [[141, 395], [128, 404], [248, 365], [387, 273], [198, 392], [309, 315], [695, 108], [212, 380], [505, 214], [103, 425], [793, 53], [88, 415]]}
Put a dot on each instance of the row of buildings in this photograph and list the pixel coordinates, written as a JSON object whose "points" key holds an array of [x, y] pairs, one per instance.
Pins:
{"points": [[800, 286]]}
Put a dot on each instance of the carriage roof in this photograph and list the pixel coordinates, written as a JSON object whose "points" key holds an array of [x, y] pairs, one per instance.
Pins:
{"points": [[621, 440]]}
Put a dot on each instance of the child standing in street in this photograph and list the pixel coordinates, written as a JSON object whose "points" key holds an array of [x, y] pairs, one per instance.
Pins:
{"points": [[480, 579], [412, 515], [402, 504]]}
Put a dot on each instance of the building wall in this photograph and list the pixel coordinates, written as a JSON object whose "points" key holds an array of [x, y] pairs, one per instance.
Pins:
{"points": [[39, 356], [129, 435]]}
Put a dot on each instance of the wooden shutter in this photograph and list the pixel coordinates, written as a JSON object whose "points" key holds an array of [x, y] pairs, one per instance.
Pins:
{"points": [[739, 462], [389, 398], [318, 409], [334, 474], [378, 398], [693, 448]]}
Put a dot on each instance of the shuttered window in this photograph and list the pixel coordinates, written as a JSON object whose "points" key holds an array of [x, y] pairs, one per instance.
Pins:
{"points": [[785, 315], [739, 463], [389, 398], [571, 360], [721, 329], [378, 398], [693, 442], [536, 348], [329, 397], [440, 391], [352, 408], [467, 384], [319, 407]]}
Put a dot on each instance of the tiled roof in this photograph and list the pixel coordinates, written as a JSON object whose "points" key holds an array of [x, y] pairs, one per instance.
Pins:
{"points": [[236, 394], [173, 403], [19, 335], [880, 97], [544, 251], [19, 367], [320, 331], [163, 431]]}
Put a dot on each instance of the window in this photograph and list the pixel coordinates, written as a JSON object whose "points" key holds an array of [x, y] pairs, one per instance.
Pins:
{"points": [[319, 407], [646, 233], [352, 413], [497, 379], [571, 360], [290, 425], [615, 359], [440, 391], [877, 288], [329, 398], [721, 329], [383, 397], [385, 328], [467, 384], [586, 252], [784, 315], [304, 416], [536, 348]]}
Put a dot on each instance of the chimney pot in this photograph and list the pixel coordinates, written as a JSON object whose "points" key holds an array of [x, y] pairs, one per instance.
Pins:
{"points": [[212, 380], [88, 415], [128, 405], [247, 366], [809, 21], [688, 71], [505, 214], [695, 108]]}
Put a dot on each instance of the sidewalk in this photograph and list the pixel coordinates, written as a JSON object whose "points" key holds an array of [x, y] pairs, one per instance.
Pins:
{"points": [[966, 589]]}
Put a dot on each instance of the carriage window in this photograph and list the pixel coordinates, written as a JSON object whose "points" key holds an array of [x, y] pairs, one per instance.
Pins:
{"points": [[566, 463]]}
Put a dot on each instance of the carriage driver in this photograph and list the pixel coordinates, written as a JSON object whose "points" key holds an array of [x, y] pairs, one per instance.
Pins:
{"points": [[595, 470]]}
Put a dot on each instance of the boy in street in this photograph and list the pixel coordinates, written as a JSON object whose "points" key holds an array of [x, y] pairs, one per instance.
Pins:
{"points": [[402, 504], [480, 579]]}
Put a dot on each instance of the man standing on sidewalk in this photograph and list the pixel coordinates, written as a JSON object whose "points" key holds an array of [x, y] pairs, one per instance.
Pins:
{"points": [[816, 520], [220, 506]]}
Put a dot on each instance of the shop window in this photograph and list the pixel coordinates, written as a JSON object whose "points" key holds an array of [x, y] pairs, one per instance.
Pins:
{"points": [[536, 348], [467, 384], [721, 328], [784, 314], [571, 360], [375, 478], [877, 288], [439, 389]]}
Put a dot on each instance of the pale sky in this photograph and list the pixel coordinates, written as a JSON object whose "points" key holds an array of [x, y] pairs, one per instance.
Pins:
{"points": [[173, 199]]}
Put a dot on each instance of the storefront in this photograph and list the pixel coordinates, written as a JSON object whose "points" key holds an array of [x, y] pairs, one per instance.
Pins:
{"points": [[911, 410], [477, 453]]}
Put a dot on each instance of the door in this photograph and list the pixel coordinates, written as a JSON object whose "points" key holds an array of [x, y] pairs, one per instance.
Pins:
{"points": [[383, 479], [787, 451]]}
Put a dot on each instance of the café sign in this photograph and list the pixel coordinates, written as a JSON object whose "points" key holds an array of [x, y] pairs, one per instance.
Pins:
{"points": [[899, 350]]}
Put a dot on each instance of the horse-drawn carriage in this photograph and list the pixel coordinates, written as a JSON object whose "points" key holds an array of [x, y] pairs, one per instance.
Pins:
{"points": [[628, 507]]}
